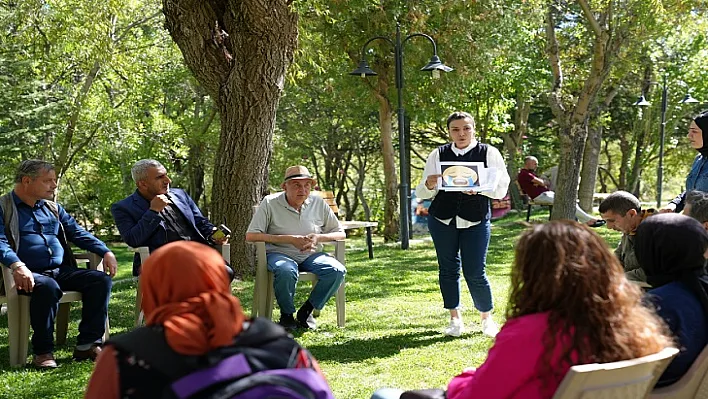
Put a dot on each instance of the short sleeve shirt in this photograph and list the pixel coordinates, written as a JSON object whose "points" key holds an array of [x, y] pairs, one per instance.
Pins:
{"points": [[276, 216]]}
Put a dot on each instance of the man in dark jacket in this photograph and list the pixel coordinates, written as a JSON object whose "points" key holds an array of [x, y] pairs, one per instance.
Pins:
{"points": [[155, 214]]}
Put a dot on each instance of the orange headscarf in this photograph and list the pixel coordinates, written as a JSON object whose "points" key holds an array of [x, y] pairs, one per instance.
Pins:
{"points": [[186, 290]]}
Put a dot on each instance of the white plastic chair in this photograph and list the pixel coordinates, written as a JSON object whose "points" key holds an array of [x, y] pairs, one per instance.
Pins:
{"points": [[617, 380], [263, 295], [694, 384], [144, 255], [18, 312]]}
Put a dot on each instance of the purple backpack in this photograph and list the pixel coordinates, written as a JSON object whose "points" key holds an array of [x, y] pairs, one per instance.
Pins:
{"points": [[264, 362]]}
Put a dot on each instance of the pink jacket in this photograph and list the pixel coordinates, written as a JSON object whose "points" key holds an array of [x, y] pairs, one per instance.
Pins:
{"points": [[511, 369]]}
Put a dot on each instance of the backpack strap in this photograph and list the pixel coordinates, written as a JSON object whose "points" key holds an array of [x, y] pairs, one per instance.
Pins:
{"points": [[149, 344]]}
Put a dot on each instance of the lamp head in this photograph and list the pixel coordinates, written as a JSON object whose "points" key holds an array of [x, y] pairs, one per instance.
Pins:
{"points": [[688, 99], [363, 70], [435, 66], [642, 102]]}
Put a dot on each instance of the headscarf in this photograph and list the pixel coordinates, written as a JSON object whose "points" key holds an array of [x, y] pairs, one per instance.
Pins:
{"points": [[670, 247], [186, 290], [702, 122]]}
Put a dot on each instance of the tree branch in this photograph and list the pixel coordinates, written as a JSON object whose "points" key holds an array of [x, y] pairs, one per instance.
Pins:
{"points": [[553, 51], [137, 23], [591, 18]]}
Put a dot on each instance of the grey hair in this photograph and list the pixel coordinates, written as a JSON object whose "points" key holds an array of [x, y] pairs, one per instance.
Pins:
{"points": [[139, 170], [32, 168], [530, 158], [699, 205], [620, 202]]}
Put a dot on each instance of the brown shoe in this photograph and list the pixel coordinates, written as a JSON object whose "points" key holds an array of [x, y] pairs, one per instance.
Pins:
{"points": [[89, 354], [45, 361]]}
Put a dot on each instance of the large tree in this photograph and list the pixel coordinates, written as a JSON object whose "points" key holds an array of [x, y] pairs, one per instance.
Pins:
{"points": [[239, 52], [607, 29]]}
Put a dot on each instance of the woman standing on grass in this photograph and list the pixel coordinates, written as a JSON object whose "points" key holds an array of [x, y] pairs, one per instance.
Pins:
{"points": [[459, 224], [697, 178], [569, 304]]}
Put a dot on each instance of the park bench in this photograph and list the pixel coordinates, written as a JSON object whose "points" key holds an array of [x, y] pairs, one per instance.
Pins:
{"points": [[529, 202]]}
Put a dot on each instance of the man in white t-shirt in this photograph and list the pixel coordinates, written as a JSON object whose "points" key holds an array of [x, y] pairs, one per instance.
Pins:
{"points": [[293, 224]]}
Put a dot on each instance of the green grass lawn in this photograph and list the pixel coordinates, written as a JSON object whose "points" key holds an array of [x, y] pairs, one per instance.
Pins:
{"points": [[393, 335]]}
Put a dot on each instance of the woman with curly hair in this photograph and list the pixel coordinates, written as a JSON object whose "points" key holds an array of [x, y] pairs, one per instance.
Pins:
{"points": [[569, 304]]}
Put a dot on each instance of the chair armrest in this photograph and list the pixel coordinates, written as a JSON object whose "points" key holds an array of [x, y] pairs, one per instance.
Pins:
{"points": [[339, 250], [225, 250], [94, 261], [8, 283], [144, 253]]}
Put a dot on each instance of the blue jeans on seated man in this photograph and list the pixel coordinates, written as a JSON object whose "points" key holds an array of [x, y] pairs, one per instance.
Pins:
{"points": [[95, 288], [330, 274], [465, 249]]}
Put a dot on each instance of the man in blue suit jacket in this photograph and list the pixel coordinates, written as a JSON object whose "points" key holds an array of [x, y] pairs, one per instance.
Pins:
{"points": [[155, 214]]}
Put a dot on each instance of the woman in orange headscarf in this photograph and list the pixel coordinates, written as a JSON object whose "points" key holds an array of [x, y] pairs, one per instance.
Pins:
{"points": [[186, 292]]}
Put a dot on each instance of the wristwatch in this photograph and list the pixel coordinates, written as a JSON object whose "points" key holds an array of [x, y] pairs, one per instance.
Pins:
{"points": [[16, 266]]}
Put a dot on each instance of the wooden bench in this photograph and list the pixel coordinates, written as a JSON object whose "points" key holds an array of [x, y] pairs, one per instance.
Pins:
{"points": [[328, 196], [529, 202]]}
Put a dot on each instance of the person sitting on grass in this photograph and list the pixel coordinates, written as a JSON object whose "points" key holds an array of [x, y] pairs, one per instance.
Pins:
{"points": [[569, 304], [671, 249]]}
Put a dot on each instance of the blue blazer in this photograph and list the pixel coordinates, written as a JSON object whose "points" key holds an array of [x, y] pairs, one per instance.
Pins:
{"points": [[140, 227]]}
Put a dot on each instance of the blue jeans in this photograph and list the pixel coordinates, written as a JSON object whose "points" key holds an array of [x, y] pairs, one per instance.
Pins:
{"points": [[467, 248], [95, 288], [330, 274]]}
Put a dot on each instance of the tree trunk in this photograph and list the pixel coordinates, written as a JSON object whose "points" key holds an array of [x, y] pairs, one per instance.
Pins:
{"points": [[572, 143], [591, 160], [572, 116], [391, 216], [239, 52], [512, 142]]}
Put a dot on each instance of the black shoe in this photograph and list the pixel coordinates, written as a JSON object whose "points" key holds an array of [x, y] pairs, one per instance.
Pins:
{"points": [[288, 322], [308, 322], [305, 318], [597, 223]]}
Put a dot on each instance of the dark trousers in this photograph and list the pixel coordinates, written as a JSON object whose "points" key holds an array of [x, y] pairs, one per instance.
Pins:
{"points": [[464, 249], [95, 288]]}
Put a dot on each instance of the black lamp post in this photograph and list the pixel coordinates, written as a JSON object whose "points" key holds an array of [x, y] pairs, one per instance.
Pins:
{"points": [[642, 102], [435, 66]]}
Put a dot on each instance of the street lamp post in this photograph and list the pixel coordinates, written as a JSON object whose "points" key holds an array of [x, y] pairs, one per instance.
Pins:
{"points": [[434, 66], [642, 102]]}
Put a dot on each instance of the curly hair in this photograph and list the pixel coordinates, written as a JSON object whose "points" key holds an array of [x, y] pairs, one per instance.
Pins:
{"points": [[566, 269]]}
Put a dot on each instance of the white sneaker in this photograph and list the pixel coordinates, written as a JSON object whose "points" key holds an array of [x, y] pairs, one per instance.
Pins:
{"points": [[489, 327], [455, 328]]}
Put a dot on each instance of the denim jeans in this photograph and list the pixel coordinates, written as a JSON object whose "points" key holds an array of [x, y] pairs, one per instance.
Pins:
{"points": [[330, 274], [95, 288], [466, 249]]}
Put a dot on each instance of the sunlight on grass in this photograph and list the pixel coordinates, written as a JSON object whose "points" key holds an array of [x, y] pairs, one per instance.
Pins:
{"points": [[393, 336]]}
